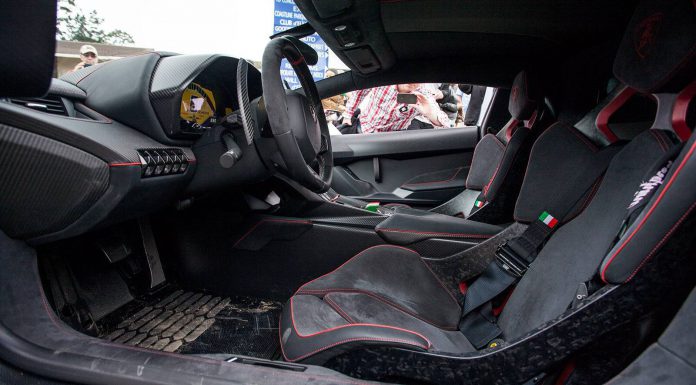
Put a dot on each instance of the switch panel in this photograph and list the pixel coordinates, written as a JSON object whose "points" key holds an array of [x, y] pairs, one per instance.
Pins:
{"points": [[162, 161]]}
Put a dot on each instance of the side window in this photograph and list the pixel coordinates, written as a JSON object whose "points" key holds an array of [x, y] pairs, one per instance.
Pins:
{"points": [[411, 106]]}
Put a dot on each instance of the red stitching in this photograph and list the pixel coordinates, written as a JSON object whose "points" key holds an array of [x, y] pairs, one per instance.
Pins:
{"points": [[662, 242], [441, 284], [582, 138], [297, 332], [437, 181], [353, 257], [473, 157], [338, 309], [453, 235], [649, 212], [123, 164], [251, 230], [602, 120], [660, 140], [395, 340], [507, 171], [588, 199], [377, 297], [51, 315]]}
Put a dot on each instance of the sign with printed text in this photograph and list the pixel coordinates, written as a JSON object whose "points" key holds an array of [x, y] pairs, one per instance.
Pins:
{"points": [[285, 16]]}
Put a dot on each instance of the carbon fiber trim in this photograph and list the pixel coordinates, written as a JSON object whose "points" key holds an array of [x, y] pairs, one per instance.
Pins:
{"points": [[170, 76], [243, 100], [173, 71], [441, 248], [68, 90], [111, 141], [45, 185], [366, 221], [77, 76]]}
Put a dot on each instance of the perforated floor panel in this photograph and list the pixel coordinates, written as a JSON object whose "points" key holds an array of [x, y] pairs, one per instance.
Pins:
{"points": [[197, 323]]}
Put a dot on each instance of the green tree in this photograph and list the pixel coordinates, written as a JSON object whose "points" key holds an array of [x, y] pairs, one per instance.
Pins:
{"points": [[73, 24]]}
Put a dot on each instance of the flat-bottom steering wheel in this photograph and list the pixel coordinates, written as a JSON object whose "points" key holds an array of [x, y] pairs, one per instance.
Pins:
{"points": [[297, 119]]}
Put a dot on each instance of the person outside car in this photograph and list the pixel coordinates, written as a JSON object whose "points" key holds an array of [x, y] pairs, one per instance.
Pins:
{"points": [[88, 57], [382, 112]]}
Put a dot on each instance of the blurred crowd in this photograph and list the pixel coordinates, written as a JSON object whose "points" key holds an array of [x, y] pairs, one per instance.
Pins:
{"points": [[410, 106]]}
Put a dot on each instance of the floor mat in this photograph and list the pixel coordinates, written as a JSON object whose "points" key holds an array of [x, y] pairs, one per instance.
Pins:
{"points": [[189, 322]]}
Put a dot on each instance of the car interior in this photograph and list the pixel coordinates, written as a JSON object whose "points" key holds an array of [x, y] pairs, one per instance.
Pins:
{"points": [[550, 244]]}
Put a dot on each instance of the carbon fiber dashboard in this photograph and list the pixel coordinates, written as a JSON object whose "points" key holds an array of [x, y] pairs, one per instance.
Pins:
{"points": [[174, 74], [104, 152]]}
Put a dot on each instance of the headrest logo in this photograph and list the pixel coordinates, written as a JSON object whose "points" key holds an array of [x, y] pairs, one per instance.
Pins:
{"points": [[514, 93], [645, 34]]}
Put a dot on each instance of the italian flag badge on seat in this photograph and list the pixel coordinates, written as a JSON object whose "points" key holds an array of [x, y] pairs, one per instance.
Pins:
{"points": [[548, 219]]}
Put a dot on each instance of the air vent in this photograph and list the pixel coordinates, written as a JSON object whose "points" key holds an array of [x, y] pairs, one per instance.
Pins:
{"points": [[50, 104]]}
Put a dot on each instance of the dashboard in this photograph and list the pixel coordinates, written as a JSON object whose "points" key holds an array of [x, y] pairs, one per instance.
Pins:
{"points": [[120, 139]]}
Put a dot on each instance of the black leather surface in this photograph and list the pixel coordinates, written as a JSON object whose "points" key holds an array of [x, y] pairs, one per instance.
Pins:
{"points": [[432, 225]]}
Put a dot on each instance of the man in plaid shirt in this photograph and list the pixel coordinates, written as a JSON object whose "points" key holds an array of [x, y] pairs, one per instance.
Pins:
{"points": [[382, 112]]}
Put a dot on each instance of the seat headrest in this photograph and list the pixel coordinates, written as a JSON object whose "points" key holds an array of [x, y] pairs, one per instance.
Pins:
{"points": [[657, 51], [525, 96], [28, 44]]}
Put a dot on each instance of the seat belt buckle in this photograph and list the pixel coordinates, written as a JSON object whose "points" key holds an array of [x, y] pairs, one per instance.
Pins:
{"points": [[509, 261]]}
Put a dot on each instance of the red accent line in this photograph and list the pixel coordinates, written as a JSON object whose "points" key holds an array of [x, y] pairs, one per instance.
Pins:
{"points": [[298, 61], [61, 327], [351, 258], [337, 308], [456, 235], [532, 119], [124, 164], [292, 319], [437, 181], [463, 287], [510, 128], [324, 292], [602, 120], [650, 211], [565, 373], [251, 230], [681, 106], [497, 310], [582, 138]]}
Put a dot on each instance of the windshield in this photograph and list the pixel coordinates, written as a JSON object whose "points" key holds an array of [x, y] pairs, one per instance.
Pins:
{"points": [[96, 31]]}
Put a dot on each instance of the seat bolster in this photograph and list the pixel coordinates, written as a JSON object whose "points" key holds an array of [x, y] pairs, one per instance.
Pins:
{"points": [[307, 345], [487, 156], [396, 276], [669, 207]]}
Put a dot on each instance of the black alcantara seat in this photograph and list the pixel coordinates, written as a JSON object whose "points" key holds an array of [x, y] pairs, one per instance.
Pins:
{"points": [[492, 177], [610, 224]]}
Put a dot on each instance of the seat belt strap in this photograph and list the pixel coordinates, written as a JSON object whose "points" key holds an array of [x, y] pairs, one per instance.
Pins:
{"points": [[480, 327], [512, 260]]}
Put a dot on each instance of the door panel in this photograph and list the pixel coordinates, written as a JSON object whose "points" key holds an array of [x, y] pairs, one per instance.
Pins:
{"points": [[421, 168]]}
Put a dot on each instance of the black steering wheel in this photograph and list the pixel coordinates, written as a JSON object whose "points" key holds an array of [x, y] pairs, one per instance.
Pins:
{"points": [[297, 119]]}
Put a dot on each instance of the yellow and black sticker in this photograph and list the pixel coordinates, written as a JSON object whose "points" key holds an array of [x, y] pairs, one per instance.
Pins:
{"points": [[197, 104]]}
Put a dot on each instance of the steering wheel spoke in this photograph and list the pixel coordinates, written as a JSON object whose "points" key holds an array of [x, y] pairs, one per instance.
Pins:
{"points": [[297, 119]]}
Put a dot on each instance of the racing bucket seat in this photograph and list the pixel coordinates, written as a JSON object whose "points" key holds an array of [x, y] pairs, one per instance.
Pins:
{"points": [[599, 228]]}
